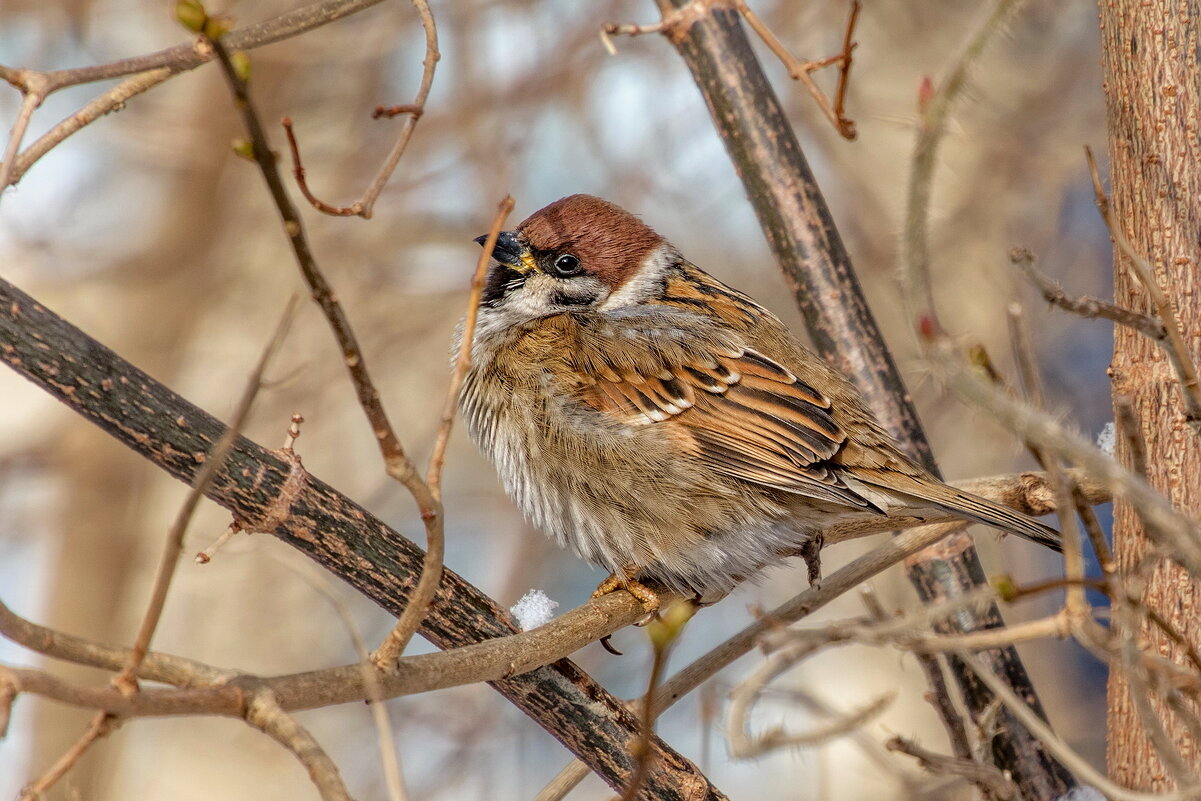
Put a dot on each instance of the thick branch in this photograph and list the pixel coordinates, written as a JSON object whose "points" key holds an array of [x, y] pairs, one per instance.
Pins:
{"points": [[268, 493], [810, 252]]}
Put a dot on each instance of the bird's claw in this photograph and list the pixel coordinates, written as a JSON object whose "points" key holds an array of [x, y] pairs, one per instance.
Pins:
{"points": [[645, 595]]}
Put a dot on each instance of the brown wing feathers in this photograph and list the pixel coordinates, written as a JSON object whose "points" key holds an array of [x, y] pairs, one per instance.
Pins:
{"points": [[749, 418]]}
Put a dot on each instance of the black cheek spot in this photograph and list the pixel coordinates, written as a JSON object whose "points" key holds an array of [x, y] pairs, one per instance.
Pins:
{"points": [[502, 279]]}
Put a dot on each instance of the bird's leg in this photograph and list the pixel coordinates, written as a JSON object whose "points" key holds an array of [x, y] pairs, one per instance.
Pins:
{"points": [[623, 580], [811, 552]]}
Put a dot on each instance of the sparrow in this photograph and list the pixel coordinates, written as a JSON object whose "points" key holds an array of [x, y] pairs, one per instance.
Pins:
{"points": [[665, 426]]}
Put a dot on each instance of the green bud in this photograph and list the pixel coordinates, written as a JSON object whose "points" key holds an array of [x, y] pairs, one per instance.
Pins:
{"points": [[191, 15], [218, 25], [244, 148], [241, 65], [1005, 586], [668, 626]]}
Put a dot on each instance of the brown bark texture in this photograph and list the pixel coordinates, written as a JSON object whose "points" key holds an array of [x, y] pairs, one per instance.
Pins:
{"points": [[265, 493], [1153, 98], [801, 232]]}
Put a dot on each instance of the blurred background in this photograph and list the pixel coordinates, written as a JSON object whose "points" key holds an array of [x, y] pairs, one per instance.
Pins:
{"points": [[146, 231]]}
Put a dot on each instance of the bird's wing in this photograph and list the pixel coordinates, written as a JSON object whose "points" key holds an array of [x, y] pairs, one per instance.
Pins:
{"points": [[741, 413]]}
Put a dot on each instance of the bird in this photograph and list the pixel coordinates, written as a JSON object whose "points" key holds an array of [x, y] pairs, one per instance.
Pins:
{"points": [[666, 426]]}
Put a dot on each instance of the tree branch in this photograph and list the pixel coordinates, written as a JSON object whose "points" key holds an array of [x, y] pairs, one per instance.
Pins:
{"points": [[267, 492]]}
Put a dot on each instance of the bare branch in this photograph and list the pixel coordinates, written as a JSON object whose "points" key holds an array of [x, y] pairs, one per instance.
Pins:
{"points": [[152, 69], [1085, 306], [1062, 751], [126, 680], [991, 781], [800, 70], [363, 206], [102, 725], [431, 569], [265, 714]]}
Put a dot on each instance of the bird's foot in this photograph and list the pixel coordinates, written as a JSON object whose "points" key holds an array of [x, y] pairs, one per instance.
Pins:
{"points": [[645, 595], [811, 552]]}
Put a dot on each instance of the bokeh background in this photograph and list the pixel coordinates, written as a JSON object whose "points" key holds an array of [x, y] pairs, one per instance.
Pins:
{"points": [[148, 233]]}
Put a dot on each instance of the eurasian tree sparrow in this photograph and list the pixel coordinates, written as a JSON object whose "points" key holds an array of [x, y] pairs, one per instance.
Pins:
{"points": [[667, 426]]}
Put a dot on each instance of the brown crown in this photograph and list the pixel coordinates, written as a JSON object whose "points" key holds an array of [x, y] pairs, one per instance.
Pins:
{"points": [[610, 242]]}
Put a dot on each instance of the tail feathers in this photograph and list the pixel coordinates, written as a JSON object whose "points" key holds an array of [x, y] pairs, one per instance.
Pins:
{"points": [[994, 514], [966, 505]]}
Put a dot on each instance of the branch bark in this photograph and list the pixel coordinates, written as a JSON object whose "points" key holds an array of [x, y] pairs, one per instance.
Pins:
{"points": [[802, 235], [1153, 92], [266, 492]]}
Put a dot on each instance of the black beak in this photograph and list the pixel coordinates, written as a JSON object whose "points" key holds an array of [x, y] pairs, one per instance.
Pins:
{"points": [[508, 249]]}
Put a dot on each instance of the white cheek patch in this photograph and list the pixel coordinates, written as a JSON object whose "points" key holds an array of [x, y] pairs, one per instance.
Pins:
{"points": [[646, 281]]}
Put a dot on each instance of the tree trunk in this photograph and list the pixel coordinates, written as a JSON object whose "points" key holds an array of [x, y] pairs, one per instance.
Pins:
{"points": [[1153, 98]]}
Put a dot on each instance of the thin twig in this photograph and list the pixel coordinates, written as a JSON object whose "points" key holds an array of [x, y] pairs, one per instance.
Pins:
{"points": [[1177, 350], [1061, 750], [126, 680], [298, 172], [463, 359], [1085, 306], [363, 206], [393, 778], [149, 70], [800, 70], [102, 725], [431, 567], [33, 90], [1126, 421], [397, 463], [989, 779], [664, 631], [935, 111], [1073, 555]]}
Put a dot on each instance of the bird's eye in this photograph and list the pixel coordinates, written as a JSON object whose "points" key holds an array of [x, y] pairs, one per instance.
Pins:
{"points": [[566, 265]]}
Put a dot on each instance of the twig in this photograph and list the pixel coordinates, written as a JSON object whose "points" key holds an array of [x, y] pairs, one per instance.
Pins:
{"points": [[935, 111], [743, 745], [152, 69], [939, 697], [1126, 421], [1062, 751], [265, 714], [364, 206], [102, 725], [1073, 556], [397, 463], [663, 631], [126, 680], [393, 778], [800, 70], [33, 88], [1085, 305], [298, 173], [463, 359], [1177, 349], [431, 569], [991, 781]]}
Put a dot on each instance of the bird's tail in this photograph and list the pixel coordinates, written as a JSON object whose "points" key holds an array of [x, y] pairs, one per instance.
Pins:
{"points": [[979, 510], [990, 513]]}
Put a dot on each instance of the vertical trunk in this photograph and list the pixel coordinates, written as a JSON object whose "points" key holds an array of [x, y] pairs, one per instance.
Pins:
{"points": [[1153, 97]]}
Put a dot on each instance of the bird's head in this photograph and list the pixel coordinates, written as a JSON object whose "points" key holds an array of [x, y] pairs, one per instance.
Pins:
{"points": [[579, 252]]}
